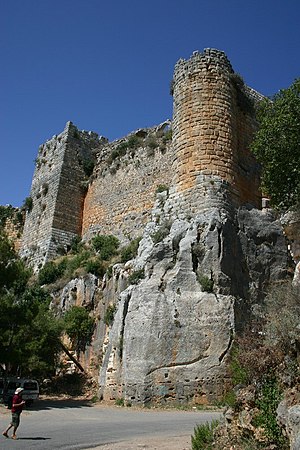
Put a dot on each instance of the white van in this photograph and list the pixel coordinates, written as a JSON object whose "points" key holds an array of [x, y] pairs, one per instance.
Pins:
{"points": [[31, 390]]}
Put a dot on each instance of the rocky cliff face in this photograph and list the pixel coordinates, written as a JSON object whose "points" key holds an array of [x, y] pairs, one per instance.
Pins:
{"points": [[197, 281], [173, 330]]}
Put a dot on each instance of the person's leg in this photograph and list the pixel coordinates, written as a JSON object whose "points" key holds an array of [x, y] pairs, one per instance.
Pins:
{"points": [[7, 430], [14, 436], [15, 422]]}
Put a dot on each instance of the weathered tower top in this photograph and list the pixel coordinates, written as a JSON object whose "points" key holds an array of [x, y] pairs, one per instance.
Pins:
{"points": [[211, 59]]}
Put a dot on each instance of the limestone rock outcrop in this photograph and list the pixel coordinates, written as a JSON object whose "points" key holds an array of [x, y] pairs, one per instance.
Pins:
{"points": [[173, 330], [288, 417]]}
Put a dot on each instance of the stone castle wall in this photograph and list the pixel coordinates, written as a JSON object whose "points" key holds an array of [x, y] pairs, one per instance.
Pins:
{"points": [[213, 124], [121, 195], [57, 194], [208, 164], [13, 229]]}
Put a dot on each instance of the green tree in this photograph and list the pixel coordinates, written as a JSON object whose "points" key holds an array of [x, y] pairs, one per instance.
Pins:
{"points": [[29, 333], [277, 146], [13, 273], [79, 326]]}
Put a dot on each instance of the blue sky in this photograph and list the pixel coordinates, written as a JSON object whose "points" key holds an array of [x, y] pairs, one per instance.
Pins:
{"points": [[107, 65]]}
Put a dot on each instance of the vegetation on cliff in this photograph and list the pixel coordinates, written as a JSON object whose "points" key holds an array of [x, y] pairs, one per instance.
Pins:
{"points": [[30, 332], [263, 370], [277, 146]]}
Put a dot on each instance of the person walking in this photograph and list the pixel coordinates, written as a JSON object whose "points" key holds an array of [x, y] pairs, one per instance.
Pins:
{"points": [[17, 408]]}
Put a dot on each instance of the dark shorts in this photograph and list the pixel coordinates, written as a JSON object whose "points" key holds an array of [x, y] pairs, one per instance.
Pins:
{"points": [[15, 419]]}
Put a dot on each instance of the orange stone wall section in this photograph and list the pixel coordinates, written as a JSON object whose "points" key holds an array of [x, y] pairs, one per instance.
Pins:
{"points": [[213, 124]]}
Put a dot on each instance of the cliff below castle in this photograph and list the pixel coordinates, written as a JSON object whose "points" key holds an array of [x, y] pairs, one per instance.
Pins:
{"points": [[189, 190]]}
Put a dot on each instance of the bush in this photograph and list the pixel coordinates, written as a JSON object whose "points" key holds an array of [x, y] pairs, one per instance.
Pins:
{"points": [[6, 212], [109, 271], [95, 266], [105, 245], [88, 167], [136, 276], [151, 142], [130, 251], [50, 273], [206, 283], [254, 360], [28, 204], [162, 188], [134, 142], [120, 150], [203, 437], [161, 233], [282, 312], [265, 357], [120, 402], [268, 400], [238, 373], [77, 261], [269, 345], [76, 244], [167, 135], [110, 314]]}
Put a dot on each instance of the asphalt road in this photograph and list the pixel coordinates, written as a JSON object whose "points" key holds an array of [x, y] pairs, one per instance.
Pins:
{"points": [[67, 425]]}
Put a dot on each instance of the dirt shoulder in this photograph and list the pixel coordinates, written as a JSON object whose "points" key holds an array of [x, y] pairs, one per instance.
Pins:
{"points": [[157, 443]]}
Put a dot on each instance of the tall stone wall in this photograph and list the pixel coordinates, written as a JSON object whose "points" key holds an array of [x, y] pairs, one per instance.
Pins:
{"points": [[213, 124], [123, 191], [57, 194]]}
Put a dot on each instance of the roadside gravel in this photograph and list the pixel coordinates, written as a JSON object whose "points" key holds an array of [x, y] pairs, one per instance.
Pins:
{"points": [[174, 443]]}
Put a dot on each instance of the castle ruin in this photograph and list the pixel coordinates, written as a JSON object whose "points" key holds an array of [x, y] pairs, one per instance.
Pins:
{"points": [[208, 158], [172, 331]]}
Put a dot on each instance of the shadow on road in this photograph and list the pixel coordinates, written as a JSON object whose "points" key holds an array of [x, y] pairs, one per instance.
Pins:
{"points": [[45, 404], [36, 438]]}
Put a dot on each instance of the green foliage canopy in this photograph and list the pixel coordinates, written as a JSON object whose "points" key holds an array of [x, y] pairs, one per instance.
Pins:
{"points": [[277, 146], [29, 333], [79, 327], [13, 273]]}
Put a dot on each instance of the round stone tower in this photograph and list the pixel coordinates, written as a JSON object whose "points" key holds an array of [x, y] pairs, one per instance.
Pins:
{"points": [[213, 124]]}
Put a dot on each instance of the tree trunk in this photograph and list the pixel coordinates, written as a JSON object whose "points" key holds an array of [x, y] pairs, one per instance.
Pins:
{"points": [[77, 363]]}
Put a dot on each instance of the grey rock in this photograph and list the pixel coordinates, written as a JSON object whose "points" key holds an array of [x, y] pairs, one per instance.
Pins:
{"points": [[289, 419], [293, 426], [79, 291], [176, 336]]}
